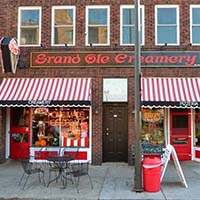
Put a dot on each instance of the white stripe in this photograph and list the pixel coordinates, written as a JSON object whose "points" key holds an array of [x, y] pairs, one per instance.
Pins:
{"points": [[82, 142], [75, 143]]}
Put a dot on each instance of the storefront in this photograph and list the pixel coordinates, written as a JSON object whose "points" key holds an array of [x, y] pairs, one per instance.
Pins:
{"points": [[46, 114], [170, 114]]}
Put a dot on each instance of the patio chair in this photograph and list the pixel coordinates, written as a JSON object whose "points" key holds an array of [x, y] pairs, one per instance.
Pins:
{"points": [[80, 169], [29, 170]]}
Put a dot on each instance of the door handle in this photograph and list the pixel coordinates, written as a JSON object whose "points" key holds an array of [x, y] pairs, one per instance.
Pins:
{"points": [[107, 133]]}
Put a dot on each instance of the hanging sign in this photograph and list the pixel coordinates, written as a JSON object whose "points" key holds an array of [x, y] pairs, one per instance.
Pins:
{"points": [[9, 54], [165, 159]]}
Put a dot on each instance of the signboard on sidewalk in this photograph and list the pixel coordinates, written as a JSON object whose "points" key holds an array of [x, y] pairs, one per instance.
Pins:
{"points": [[165, 159]]}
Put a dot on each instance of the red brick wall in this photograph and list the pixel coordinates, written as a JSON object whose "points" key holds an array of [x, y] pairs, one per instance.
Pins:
{"points": [[8, 24]]}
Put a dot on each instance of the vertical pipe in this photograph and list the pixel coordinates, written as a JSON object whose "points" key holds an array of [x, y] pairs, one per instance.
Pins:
{"points": [[138, 154]]}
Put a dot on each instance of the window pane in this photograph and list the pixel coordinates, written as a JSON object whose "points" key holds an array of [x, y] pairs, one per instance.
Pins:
{"points": [[167, 35], [97, 16], [63, 35], [180, 121], [196, 15], [128, 16], [29, 17], [97, 35], [128, 35], [20, 116], [196, 35], [63, 17], [29, 36], [167, 16]]}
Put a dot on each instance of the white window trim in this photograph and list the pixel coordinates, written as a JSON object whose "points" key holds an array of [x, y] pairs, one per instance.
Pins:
{"points": [[121, 22], [108, 24], [19, 24], [191, 24], [178, 24], [52, 24]]}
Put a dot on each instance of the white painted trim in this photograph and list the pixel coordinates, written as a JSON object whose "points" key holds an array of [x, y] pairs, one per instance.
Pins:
{"points": [[7, 150], [142, 23], [108, 24], [178, 24], [52, 24], [19, 24]]}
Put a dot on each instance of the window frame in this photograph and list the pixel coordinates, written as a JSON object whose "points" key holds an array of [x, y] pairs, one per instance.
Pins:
{"points": [[53, 27], [177, 25], [192, 25], [142, 24], [20, 9], [87, 25]]}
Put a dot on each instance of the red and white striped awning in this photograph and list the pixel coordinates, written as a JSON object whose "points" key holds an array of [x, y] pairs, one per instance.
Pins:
{"points": [[170, 92], [45, 91]]}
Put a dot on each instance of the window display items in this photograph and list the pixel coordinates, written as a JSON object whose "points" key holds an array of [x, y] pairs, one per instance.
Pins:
{"points": [[153, 126]]}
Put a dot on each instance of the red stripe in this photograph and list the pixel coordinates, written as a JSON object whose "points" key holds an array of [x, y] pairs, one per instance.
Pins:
{"points": [[184, 91], [45, 89], [75, 82], [64, 141], [86, 142]]}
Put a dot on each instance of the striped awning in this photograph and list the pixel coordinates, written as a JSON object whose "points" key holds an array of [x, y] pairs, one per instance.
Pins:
{"points": [[45, 91], [170, 92]]}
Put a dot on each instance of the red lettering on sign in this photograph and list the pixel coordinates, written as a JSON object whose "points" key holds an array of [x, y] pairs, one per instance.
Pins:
{"points": [[97, 59]]}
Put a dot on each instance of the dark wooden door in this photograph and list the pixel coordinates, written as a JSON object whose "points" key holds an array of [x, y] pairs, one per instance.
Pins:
{"points": [[115, 133]]}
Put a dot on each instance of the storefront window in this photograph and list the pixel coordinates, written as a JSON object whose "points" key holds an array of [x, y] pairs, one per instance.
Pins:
{"points": [[60, 126], [153, 126], [197, 126]]}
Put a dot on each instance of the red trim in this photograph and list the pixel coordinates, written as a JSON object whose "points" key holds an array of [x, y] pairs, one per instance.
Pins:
{"points": [[197, 154], [42, 155]]}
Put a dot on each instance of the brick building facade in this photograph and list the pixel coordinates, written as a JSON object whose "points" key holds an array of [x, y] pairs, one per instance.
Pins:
{"points": [[101, 72]]}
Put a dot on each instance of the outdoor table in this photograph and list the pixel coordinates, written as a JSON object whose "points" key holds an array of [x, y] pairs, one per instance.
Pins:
{"points": [[61, 163]]}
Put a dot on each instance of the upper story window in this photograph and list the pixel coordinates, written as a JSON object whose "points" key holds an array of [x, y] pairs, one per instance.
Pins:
{"points": [[29, 26], [167, 25], [127, 25], [195, 25], [97, 25], [63, 25]]}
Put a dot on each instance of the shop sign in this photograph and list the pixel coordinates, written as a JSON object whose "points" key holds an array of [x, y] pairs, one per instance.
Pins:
{"points": [[189, 104], [39, 102], [151, 116], [148, 59]]}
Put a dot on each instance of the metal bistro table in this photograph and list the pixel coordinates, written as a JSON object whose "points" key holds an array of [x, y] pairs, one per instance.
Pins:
{"points": [[60, 164]]}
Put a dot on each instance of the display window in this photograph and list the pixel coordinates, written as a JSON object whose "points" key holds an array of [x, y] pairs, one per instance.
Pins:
{"points": [[60, 126], [153, 126], [197, 127]]}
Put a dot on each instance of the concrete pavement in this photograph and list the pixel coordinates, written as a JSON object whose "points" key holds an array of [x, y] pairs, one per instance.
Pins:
{"points": [[111, 181]]}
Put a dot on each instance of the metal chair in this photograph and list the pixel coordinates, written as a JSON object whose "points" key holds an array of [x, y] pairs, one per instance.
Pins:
{"points": [[80, 169], [29, 170]]}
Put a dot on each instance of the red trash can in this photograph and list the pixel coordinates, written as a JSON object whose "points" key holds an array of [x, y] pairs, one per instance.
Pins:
{"points": [[151, 174]]}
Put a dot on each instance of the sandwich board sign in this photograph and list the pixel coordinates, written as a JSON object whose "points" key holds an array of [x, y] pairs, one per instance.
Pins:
{"points": [[165, 159]]}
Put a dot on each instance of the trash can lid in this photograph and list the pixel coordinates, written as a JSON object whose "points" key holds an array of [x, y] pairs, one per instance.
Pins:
{"points": [[151, 160]]}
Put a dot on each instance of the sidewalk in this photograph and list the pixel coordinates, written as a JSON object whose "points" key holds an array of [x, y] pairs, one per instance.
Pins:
{"points": [[111, 181]]}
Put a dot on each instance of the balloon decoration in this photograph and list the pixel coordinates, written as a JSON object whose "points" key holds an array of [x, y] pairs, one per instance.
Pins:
{"points": [[9, 54]]}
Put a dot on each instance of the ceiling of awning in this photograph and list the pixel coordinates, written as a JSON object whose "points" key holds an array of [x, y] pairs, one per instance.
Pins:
{"points": [[170, 92], [45, 92]]}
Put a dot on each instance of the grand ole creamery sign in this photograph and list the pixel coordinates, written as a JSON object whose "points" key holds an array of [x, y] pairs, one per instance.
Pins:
{"points": [[115, 59]]}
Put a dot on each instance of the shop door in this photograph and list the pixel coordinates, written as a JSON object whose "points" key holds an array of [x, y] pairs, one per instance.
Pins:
{"points": [[19, 133], [180, 132], [115, 133]]}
